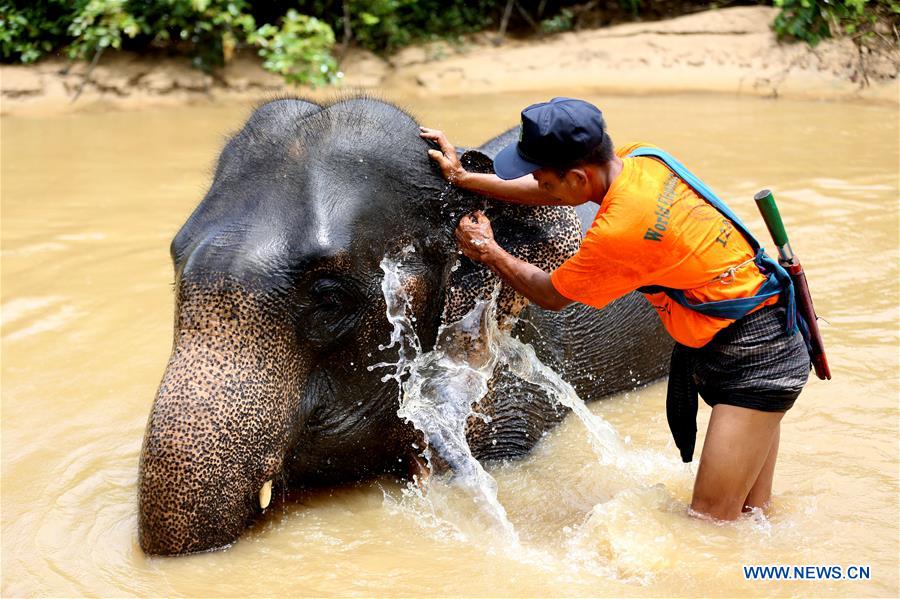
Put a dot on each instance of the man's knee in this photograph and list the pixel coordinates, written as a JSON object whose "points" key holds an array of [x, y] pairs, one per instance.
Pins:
{"points": [[719, 507], [717, 497]]}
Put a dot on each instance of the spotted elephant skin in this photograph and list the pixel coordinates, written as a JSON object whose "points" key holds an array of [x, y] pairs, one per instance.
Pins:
{"points": [[279, 311]]}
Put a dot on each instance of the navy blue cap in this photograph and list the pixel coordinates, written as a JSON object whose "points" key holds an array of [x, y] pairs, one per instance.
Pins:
{"points": [[555, 134]]}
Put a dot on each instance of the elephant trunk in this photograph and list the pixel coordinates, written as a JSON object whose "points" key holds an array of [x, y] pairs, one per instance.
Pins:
{"points": [[221, 422]]}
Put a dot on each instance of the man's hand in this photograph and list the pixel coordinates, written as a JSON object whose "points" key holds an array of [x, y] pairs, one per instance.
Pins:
{"points": [[446, 158], [524, 190], [475, 236], [476, 240]]}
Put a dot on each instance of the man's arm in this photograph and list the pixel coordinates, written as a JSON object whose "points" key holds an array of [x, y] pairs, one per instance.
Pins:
{"points": [[524, 190], [476, 240]]}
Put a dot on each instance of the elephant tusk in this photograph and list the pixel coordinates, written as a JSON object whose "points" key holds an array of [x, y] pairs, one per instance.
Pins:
{"points": [[265, 494]]}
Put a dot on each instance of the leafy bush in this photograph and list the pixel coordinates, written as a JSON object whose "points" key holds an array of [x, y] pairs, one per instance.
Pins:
{"points": [[386, 25], [564, 21], [299, 46], [100, 25], [30, 30], [814, 20], [299, 50], [207, 30]]}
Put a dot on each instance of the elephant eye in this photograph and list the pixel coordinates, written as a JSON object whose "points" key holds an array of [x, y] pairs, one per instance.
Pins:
{"points": [[329, 300], [328, 294], [333, 310]]}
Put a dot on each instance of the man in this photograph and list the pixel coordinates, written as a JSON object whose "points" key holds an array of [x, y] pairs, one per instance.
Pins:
{"points": [[736, 341]]}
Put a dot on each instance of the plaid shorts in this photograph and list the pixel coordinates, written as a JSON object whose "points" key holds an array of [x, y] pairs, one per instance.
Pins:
{"points": [[753, 363]]}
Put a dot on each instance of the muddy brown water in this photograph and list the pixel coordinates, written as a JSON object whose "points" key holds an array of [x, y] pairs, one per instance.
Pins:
{"points": [[89, 205]]}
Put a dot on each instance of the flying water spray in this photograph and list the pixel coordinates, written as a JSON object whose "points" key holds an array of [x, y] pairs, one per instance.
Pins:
{"points": [[440, 388]]}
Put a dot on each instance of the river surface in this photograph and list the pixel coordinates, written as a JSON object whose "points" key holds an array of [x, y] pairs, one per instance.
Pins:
{"points": [[89, 205]]}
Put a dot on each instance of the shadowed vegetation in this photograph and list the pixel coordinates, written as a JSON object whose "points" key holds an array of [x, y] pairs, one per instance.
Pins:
{"points": [[304, 41]]}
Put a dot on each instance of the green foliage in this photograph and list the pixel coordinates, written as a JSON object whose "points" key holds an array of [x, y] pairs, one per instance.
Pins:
{"points": [[299, 50], [378, 24], [209, 29], [296, 37], [386, 25], [564, 21], [28, 30], [206, 30], [814, 20], [632, 6], [100, 25]]}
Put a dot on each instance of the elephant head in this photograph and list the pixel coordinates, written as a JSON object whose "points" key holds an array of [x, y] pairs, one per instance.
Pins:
{"points": [[279, 313]]}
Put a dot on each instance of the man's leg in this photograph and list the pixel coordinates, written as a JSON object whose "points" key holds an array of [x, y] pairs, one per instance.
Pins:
{"points": [[761, 492], [738, 444]]}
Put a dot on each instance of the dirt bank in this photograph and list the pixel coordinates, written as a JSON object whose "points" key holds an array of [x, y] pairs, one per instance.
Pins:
{"points": [[727, 51]]}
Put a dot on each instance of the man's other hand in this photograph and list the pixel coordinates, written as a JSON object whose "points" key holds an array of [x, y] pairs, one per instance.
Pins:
{"points": [[446, 158], [475, 236]]}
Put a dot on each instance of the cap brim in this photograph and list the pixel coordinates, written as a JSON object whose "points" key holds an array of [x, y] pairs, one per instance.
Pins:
{"points": [[509, 165]]}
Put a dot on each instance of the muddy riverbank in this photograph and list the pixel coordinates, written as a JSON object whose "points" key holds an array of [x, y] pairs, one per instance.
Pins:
{"points": [[732, 51]]}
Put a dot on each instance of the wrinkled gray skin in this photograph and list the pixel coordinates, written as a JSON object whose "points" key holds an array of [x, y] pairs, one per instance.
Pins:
{"points": [[279, 310]]}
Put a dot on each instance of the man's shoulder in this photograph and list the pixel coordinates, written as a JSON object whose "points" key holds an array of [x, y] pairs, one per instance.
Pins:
{"points": [[625, 150]]}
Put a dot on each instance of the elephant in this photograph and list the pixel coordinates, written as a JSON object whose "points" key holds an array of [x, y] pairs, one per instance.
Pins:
{"points": [[279, 315]]}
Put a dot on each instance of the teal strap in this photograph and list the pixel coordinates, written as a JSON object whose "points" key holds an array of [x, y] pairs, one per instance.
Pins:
{"points": [[699, 186], [777, 278]]}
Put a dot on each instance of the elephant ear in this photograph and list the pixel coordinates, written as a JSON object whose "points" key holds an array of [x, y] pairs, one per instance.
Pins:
{"points": [[545, 236]]}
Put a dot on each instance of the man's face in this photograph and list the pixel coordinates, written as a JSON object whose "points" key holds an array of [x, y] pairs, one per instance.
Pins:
{"points": [[571, 190]]}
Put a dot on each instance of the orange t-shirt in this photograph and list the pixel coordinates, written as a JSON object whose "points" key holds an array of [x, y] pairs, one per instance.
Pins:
{"points": [[652, 229]]}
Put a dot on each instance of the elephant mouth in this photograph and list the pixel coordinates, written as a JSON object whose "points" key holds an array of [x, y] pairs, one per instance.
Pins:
{"points": [[204, 522]]}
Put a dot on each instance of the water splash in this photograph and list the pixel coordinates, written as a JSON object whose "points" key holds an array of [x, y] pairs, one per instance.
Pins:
{"points": [[439, 388], [403, 334], [609, 447]]}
